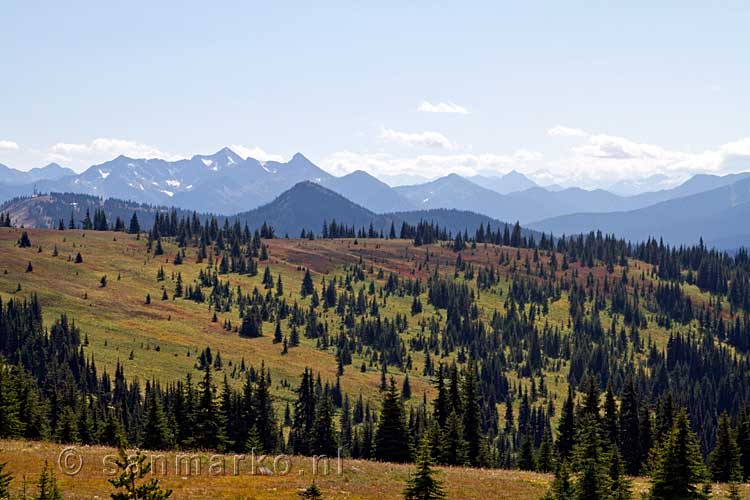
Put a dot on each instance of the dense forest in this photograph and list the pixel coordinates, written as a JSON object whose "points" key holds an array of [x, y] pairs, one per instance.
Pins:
{"points": [[677, 412]]}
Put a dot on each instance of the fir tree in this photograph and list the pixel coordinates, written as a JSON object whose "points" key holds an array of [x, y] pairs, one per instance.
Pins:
{"points": [[725, 457], [156, 433], [47, 485], [423, 486], [679, 467], [391, 437], [5, 479], [132, 470]]}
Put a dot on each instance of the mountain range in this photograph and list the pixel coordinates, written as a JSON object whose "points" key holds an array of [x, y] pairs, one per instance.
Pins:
{"points": [[225, 183]]}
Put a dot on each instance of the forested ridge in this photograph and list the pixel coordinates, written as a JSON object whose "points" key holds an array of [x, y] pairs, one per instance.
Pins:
{"points": [[584, 355]]}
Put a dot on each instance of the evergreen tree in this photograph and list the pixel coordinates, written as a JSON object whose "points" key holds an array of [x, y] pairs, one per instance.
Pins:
{"points": [[24, 241], [308, 288], [725, 457], [679, 467], [135, 226], [562, 488], [5, 479], [592, 482], [472, 416], [210, 425], [391, 437], [566, 427], [423, 486], [630, 446], [324, 437], [47, 485], [156, 433], [132, 470]]}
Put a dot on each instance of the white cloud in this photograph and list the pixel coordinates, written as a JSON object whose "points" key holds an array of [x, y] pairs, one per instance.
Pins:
{"points": [[104, 149], [8, 146], [110, 146], [255, 152], [426, 139], [428, 165], [561, 131], [600, 160], [442, 107]]}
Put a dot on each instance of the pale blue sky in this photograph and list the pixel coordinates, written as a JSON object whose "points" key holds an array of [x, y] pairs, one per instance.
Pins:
{"points": [[632, 90]]}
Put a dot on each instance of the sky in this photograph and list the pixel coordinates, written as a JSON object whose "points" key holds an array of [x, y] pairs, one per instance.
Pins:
{"points": [[573, 93]]}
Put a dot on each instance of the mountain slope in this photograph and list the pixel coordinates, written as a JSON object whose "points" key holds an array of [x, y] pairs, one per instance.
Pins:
{"points": [[509, 183], [364, 189], [719, 216]]}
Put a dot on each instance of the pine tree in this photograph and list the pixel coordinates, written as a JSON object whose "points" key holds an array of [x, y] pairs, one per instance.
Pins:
{"points": [[472, 416], [156, 433], [307, 285], [47, 485], [619, 485], [324, 437], [24, 241], [5, 479], [630, 447], [10, 420], [592, 481], [133, 469], [725, 457], [562, 488], [210, 425], [135, 226], [391, 438], [743, 441], [566, 427], [423, 486], [453, 445], [679, 467], [312, 492]]}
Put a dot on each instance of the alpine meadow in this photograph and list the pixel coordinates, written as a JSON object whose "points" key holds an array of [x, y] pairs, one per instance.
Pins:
{"points": [[512, 262]]}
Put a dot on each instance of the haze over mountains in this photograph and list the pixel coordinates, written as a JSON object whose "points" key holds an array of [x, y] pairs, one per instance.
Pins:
{"points": [[225, 183]]}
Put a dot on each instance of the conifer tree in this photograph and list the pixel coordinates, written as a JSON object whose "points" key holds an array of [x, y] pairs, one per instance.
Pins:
{"points": [[24, 241], [5, 479], [210, 425], [725, 457], [679, 468], [307, 285], [324, 436], [47, 485], [132, 470], [156, 433], [10, 420], [562, 488], [472, 416], [423, 486], [566, 427], [630, 447], [391, 437]]}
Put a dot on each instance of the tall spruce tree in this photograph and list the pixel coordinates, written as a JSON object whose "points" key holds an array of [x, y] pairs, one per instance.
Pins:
{"points": [[725, 458], [679, 469], [423, 486], [391, 437]]}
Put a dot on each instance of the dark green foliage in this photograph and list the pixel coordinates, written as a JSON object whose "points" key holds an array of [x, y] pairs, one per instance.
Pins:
{"points": [[678, 469], [423, 486], [725, 457], [391, 437], [47, 488], [312, 492], [132, 470], [24, 241], [5, 479]]}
